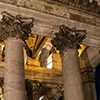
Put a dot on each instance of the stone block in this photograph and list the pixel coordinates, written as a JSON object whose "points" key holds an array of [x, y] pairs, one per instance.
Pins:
{"points": [[33, 62], [9, 1], [56, 60]]}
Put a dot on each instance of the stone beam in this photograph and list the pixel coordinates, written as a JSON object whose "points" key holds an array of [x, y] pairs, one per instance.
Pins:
{"points": [[48, 24], [40, 74]]}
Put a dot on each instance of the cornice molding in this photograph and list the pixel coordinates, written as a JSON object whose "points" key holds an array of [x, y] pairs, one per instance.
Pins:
{"points": [[87, 5]]}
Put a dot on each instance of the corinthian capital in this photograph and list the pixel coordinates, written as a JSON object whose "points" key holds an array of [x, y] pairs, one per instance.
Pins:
{"points": [[88, 74], [68, 38], [15, 26]]}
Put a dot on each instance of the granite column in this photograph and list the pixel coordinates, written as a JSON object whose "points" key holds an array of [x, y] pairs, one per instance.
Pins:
{"points": [[14, 31], [67, 41]]}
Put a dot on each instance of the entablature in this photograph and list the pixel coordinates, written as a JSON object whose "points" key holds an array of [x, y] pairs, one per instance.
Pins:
{"points": [[50, 21]]}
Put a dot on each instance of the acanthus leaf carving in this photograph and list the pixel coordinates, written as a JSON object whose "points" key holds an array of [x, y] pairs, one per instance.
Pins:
{"points": [[88, 74], [68, 38], [15, 26]]}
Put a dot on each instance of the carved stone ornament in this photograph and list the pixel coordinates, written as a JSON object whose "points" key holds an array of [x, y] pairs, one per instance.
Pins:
{"points": [[91, 6], [35, 87], [15, 26], [88, 75], [68, 38]]}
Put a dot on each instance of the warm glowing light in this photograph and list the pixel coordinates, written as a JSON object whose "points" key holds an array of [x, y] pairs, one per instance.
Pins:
{"points": [[81, 50], [49, 62], [1, 97], [41, 97]]}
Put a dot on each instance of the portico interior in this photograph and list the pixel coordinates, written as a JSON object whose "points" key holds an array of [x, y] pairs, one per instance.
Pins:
{"points": [[43, 65]]}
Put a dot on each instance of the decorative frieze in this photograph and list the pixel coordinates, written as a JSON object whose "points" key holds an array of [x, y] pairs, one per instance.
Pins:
{"points": [[83, 4]]}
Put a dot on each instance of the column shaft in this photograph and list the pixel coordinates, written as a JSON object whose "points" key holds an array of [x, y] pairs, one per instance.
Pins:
{"points": [[71, 76], [14, 85], [88, 80], [43, 57], [89, 91]]}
